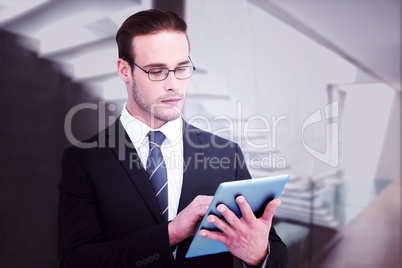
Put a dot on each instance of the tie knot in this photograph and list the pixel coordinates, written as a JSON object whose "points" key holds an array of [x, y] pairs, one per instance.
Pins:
{"points": [[155, 138]]}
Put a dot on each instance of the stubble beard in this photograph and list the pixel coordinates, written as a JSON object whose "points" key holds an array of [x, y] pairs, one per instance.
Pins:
{"points": [[155, 111]]}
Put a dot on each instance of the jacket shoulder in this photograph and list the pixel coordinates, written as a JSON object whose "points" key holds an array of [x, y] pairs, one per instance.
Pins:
{"points": [[102, 139], [206, 137]]}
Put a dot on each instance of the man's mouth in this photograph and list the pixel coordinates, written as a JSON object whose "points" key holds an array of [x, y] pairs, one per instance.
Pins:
{"points": [[172, 101]]}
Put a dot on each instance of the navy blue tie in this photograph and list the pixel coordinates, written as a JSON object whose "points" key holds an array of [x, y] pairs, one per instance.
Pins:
{"points": [[156, 170]]}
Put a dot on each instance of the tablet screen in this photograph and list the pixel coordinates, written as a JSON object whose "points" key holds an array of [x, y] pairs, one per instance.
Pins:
{"points": [[257, 192]]}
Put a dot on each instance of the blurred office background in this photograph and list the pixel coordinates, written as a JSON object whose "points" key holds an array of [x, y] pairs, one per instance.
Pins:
{"points": [[315, 83]]}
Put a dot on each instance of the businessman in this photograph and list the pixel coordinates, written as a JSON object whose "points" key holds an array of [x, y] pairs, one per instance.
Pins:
{"points": [[137, 198]]}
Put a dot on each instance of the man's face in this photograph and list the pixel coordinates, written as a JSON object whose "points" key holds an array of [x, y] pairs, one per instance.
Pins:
{"points": [[156, 102]]}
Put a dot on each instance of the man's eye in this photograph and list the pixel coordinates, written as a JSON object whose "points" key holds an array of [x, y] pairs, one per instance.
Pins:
{"points": [[156, 71], [181, 69]]}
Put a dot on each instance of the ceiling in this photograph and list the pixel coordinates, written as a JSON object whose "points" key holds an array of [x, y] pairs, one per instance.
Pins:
{"points": [[77, 33], [365, 32]]}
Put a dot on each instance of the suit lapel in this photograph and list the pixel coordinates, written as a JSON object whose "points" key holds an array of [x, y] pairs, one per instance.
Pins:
{"points": [[119, 142], [121, 145], [192, 146]]}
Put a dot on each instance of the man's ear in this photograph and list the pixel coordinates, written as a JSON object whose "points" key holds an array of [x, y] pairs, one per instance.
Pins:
{"points": [[124, 70]]}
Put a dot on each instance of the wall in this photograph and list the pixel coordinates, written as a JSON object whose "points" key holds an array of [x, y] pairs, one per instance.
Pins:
{"points": [[35, 98]]}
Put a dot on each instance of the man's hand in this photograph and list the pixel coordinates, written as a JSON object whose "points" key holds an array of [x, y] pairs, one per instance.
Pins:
{"points": [[247, 237], [186, 223]]}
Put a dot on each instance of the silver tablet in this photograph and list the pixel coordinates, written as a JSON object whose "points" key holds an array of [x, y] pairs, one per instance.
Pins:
{"points": [[257, 192]]}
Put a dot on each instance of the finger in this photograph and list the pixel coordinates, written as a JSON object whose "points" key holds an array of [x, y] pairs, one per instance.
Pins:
{"points": [[203, 200], [270, 210], [200, 205], [200, 212], [221, 237], [229, 216], [221, 225], [246, 212]]}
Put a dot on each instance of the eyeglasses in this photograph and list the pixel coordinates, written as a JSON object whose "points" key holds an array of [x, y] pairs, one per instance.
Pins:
{"points": [[160, 74]]}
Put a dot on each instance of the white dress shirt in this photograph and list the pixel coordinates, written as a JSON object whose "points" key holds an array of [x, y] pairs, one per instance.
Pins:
{"points": [[172, 151]]}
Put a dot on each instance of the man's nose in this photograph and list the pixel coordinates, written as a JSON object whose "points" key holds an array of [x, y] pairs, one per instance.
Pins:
{"points": [[171, 82]]}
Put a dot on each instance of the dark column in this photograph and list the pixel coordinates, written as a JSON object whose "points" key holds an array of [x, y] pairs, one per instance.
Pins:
{"points": [[34, 100], [177, 6]]}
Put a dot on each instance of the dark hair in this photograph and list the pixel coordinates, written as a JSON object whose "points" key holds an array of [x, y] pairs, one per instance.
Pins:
{"points": [[146, 22]]}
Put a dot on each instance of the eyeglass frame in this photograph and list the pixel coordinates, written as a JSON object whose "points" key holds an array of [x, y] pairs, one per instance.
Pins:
{"points": [[174, 70]]}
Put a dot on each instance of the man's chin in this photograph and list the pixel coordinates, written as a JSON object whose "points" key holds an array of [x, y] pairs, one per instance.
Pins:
{"points": [[166, 117], [169, 117]]}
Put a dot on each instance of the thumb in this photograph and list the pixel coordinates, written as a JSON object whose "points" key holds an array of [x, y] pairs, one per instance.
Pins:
{"points": [[270, 210]]}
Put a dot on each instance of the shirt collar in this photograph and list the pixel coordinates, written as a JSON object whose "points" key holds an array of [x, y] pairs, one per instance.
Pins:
{"points": [[137, 130]]}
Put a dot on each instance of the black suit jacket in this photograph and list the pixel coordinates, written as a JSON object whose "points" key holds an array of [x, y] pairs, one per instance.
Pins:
{"points": [[108, 215]]}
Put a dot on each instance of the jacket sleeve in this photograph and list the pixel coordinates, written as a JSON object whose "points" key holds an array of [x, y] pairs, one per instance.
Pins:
{"points": [[278, 256], [81, 239]]}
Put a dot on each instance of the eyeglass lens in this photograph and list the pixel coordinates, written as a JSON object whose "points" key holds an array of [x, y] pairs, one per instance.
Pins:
{"points": [[158, 74]]}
